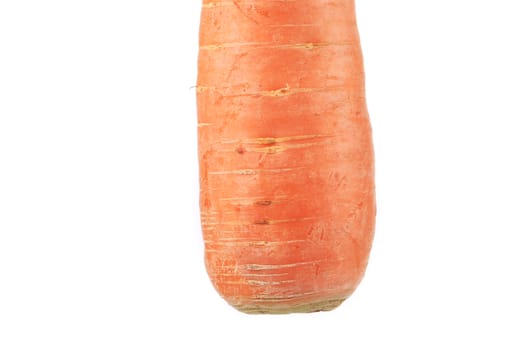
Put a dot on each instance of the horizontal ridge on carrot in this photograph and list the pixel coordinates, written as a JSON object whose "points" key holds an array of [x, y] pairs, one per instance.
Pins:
{"points": [[287, 192]]}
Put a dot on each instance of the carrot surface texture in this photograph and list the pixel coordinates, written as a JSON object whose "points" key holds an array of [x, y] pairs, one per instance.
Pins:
{"points": [[287, 192]]}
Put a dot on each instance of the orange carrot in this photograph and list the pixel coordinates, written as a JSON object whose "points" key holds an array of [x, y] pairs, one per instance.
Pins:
{"points": [[286, 157]]}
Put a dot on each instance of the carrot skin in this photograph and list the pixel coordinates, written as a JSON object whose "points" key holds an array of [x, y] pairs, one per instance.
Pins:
{"points": [[286, 159]]}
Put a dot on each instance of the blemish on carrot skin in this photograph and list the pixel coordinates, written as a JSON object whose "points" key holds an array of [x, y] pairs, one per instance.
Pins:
{"points": [[234, 172], [272, 45], [274, 171], [273, 140], [217, 4], [226, 91], [240, 149], [268, 140], [259, 267], [266, 283], [244, 13], [262, 222], [263, 203], [293, 25]]}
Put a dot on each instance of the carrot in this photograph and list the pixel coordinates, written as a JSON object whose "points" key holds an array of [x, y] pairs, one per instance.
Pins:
{"points": [[287, 191]]}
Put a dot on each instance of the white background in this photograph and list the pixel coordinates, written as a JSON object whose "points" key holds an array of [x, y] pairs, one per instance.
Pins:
{"points": [[100, 244]]}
